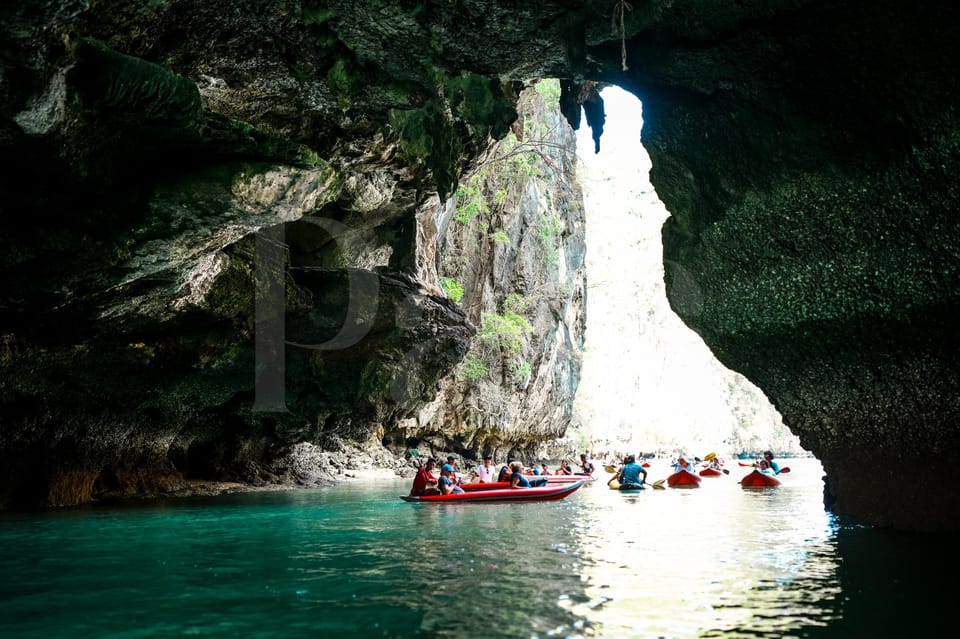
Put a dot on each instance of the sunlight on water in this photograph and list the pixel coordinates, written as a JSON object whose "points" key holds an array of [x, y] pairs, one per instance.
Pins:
{"points": [[716, 558], [717, 561]]}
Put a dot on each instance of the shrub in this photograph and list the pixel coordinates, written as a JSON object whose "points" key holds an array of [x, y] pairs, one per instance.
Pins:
{"points": [[500, 237], [452, 288], [474, 368], [505, 331]]}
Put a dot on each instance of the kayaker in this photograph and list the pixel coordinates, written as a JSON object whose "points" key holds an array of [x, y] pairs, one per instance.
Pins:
{"points": [[424, 483], [447, 483], [774, 466], [517, 480], [544, 470], [586, 466], [629, 475], [484, 472], [682, 464], [564, 468]]}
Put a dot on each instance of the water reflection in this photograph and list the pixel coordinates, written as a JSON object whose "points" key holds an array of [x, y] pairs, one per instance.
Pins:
{"points": [[712, 561]]}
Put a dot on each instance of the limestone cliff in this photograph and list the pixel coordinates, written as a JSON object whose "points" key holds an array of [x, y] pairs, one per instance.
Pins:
{"points": [[511, 252]]}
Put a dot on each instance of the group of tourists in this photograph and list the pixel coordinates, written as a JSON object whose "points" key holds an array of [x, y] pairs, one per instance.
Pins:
{"points": [[519, 476], [424, 483], [630, 475]]}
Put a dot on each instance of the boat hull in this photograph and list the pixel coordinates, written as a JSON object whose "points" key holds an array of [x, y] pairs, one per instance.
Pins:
{"points": [[756, 479], [683, 479], [710, 472], [549, 492], [629, 488]]}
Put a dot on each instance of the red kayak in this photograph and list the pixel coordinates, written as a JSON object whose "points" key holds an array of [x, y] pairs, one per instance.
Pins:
{"points": [[710, 472], [683, 479], [549, 492], [756, 478]]}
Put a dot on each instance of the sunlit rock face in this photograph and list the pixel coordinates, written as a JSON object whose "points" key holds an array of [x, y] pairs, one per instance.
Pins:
{"points": [[807, 152], [512, 254]]}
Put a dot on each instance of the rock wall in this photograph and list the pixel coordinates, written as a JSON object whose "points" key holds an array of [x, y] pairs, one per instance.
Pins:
{"points": [[511, 250]]}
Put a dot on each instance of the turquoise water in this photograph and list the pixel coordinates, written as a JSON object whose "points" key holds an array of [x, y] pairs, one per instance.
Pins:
{"points": [[718, 561]]}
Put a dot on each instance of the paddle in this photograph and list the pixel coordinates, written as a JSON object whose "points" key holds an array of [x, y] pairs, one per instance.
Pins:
{"points": [[657, 484], [785, 469]]}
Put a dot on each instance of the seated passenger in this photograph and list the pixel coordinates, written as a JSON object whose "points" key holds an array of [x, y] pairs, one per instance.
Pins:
{"points": [[564, 468], [517, 480], [447, 482], [586, 466], [506, 471], [454, 475], [424, 483], [484, 472]]}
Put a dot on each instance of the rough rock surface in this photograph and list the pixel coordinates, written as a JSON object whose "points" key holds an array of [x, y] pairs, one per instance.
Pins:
{"points": [[513, 253], [806, 150]]}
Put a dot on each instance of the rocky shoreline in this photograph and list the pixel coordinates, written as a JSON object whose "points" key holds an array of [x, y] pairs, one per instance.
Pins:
{"points": [[305, 466]]}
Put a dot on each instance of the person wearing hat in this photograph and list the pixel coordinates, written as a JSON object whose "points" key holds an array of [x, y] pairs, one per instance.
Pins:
{"points": [[454, 475], [447, 484]]}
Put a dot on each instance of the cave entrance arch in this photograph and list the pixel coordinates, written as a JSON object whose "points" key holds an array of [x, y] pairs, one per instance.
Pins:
{"points": [[650, 384]]}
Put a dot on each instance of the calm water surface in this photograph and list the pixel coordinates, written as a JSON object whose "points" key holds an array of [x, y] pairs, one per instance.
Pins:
{"points": [[718, 561]]}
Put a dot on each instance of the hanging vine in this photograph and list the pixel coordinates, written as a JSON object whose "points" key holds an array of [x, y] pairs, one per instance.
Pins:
{"points": [[620, 9]]}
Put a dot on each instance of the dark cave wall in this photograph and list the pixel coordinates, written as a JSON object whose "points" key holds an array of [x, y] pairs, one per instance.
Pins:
{"points": [[814, 239]]}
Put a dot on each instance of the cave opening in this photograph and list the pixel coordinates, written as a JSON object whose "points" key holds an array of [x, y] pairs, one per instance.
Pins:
{"points": [[650, 385]]}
